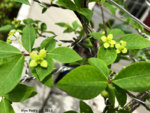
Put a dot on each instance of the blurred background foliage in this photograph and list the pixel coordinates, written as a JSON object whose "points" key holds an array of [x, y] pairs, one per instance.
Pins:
{"points": [[8, 11]]}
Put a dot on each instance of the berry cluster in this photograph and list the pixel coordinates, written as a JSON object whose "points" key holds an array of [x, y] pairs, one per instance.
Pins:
{"points": [[11, 33], [121, 47], [16, 22], [38, 59], [109, 42]]}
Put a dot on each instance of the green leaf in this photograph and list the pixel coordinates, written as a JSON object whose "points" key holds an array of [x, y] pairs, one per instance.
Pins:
{"points": [[62, 24], [20, 93], [43, 27], [135, 77], [40, 73], [78, 3], [107, 55], [93, 0], [121, 96], [64, 55], [86, 13], [5, 107], [1, 61], [22, 1], [49, 44], [51, 32], [44, 10], [116, 32], [67, 4], [6, 28], [123, 27], [100, 64], [10, 73], [96, 35], [84, 108], [111, 8], [111, 110], [28, 37], [84, 82], [123, 111], [28, 21], [68, 29], [75, 25], [111, 91], [48, 81], [6, 50], [135, 41]]}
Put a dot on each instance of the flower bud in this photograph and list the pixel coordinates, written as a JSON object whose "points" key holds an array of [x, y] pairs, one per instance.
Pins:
{"points": [[44, 64], [123, 43], [110, 36], [33, 63], [118, 51], [103, 38], [105, 94], [124, 50], [33, 55], [42, 53], [9, 41], [106, 45]]}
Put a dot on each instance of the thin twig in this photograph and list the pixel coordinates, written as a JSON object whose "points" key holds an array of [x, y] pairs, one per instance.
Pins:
{"points": [[25, 54], [48, 5], [135, 102], [132, 16], [103, 17], [138, 100], [86, 26]]}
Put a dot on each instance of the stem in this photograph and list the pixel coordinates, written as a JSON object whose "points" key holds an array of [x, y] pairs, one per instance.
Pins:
{"points": [[103, 17], [18, 40], [86, 26], [136, 101], [48, 5], [136, 19], [24, 54]]}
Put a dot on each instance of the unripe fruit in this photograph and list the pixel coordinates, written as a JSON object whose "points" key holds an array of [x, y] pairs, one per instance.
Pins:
{"points": [[33, 55], [60, 44], [33, 63], [9, 41], [124, 67], [105, 94], [44, 64], [42, 53], [106, 45]]}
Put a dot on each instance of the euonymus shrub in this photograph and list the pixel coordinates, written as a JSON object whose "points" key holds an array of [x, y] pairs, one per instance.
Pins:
{"points": [[89, 79]]}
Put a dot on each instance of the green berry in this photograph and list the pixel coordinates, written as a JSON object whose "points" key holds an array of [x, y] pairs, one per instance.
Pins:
{"points": [[124, 67], [33, 63], [59, 44], [44, 64], [105, 94], [42, 53], [33, 55], [16, 26], [9, 41]]}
